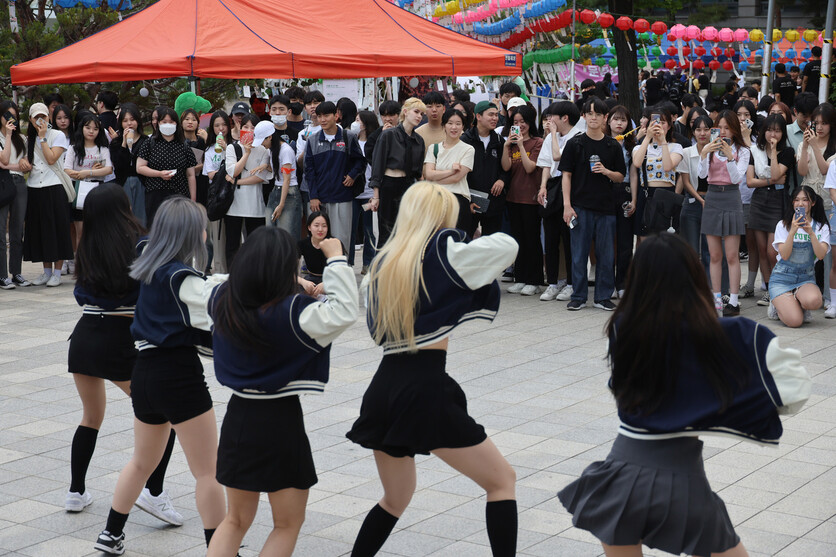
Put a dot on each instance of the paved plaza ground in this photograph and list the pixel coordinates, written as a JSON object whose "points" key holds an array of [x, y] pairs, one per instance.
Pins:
{"points": [[535, 378]]}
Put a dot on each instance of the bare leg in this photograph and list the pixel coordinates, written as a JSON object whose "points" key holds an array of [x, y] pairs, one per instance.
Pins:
{"points": [[789, 310], [398, 478], [485, 465], [239, 517], [764, 247], [149, 445], [752, 247], [622, 550], [809, 296], [715, 250], [288, 507]]}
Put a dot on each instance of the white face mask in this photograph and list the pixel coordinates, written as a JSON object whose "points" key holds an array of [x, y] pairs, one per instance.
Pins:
{"points": [[279, 119], [167, 129], [356, 127]]}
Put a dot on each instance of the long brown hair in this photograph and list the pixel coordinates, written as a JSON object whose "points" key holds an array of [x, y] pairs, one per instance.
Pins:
{"points": [[733, 122], [666, 301]]}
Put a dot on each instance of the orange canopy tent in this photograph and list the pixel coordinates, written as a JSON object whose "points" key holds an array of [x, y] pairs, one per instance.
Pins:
{"points": [[230, 39]]}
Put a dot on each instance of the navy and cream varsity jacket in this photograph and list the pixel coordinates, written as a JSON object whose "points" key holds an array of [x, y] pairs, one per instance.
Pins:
{"points": [[171, 311], [302, 330], [777, 384], [460, 280], [99, 304]]}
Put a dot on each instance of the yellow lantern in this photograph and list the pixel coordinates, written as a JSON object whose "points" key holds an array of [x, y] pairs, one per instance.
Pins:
{"points": [[756, 35], [776, 35], [810, 35], [792, 35]]}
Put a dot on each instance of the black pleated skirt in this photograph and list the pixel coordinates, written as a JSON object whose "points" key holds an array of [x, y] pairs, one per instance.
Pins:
{"points": [[264, 447], [102, 346], [654, 493], [413, 407], [46, 235]]}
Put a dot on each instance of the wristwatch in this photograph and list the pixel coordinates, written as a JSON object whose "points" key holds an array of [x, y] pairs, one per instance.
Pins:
{"points": [[42, 140]]}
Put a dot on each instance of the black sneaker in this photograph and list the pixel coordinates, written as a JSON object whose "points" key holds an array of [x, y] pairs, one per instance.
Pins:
{"points": [[109, 543], [6, 283], [20, 281], [606, 305], [731, 311], [508, 276], [575, 305]]}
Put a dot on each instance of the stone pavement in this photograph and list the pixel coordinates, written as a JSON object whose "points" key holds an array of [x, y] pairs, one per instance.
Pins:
{"points": [[535, 378]]}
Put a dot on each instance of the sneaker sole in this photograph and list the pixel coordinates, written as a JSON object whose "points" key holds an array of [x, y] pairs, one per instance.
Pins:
{"points": [[603, 307], [153, 512], [577, 308], [108, 549]]}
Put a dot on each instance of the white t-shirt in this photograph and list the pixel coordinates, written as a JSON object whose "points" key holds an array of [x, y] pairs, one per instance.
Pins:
{"points": [[545, 160], [368, 191], [92, 155], [822, 234], [212, 160], [287, 156], [461, 153], [14, 157], [248, 200], [42, 175]]}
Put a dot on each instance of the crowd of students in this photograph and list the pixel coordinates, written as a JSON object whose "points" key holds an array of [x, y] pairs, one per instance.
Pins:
{"points": [[309, 175]]}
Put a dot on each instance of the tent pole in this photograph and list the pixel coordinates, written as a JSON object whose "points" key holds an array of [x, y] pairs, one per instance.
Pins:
{"points": [[827, 53], [192, 85], [767, 48]]}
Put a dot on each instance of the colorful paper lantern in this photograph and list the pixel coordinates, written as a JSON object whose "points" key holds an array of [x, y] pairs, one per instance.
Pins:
{"points": [[791, 54], [656, 50], [699, 51], [810, 35], [659, 27], [792, 35], [605, 20], [678, 31], [756, 35], [710, 34], [587, 16], [670, 64], [641, 26], [600, 62], [743, 66], [672, 50], [699, 64], [655, 64], [741, 35], [686, 50], [806, 53], [716, 51], [776, 35], [728, 65], [730, 52], [692, 32], [624, 23], [726, 35], [714, 65]]}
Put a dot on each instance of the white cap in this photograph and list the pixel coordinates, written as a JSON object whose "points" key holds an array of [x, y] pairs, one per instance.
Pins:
{"points": [[263, 130], [515, 102]]}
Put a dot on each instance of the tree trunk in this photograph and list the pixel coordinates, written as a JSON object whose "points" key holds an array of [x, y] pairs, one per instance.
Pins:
{"points": [[628, 68]]}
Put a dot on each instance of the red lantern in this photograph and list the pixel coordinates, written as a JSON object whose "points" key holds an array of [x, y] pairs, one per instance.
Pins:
{"points": [[699, 64], [671, 37], [700, 51], [659, 28], [714, 65], [641, 26], [716, 51], [730, 52], [587, 16], [624, 23], [605, 20], [728, 65], [670, 63], [686, 50], [672, 51]]}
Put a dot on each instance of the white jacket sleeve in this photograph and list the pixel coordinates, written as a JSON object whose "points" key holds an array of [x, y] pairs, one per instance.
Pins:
{"points": [[325, 321], [702, 169], [195, 293], [479, 262], [790, 376]]}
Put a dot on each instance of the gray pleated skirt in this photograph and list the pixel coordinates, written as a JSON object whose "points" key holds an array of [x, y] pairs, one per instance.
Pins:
{"points": [[723, 212], [653, 493]]}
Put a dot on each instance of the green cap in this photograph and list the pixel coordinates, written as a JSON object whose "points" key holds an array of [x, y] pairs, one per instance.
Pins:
{"points": [[482, 106]]}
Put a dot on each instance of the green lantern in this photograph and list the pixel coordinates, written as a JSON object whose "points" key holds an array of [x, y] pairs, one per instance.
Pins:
{"points": [[601, 62], [656, 51], [656, 64], [528, 60]]}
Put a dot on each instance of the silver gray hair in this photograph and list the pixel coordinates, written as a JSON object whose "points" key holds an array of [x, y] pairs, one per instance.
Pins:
{"points": [[176, 235]]}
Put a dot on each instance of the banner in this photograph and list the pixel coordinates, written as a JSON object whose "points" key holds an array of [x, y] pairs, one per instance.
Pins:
{"points": [[593, 72]]}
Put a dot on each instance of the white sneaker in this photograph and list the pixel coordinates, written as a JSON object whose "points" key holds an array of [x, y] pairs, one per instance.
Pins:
{"points": [[64, 266], [71, 266], [41, 280], [516, 288], [159, 507], [771, 312], [529, 290], [830, 312], [75, 502], [550, 293], [566, 293], [808, 316], [54, 280]]}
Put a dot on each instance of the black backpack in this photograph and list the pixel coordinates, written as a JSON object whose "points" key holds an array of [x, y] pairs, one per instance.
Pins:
{"points": [[221, 191]]}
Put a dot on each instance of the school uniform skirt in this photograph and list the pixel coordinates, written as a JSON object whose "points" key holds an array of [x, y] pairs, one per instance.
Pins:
{"points": [[768, 206], [413, 407], [654, 493], [723, 212], [46, 236], [264, 447], [102, 346]]}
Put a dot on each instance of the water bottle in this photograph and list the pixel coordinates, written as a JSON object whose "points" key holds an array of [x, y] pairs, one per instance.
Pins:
{"points": [[218, 140]]}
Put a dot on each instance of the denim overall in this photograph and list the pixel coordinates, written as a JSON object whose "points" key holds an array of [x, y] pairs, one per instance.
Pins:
{"points": [[798, 270]]}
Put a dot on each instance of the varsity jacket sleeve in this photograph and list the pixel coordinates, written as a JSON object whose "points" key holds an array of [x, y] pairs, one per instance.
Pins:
{"points": [[479, 262], [791, 378], [325, 321], [195, 293]]}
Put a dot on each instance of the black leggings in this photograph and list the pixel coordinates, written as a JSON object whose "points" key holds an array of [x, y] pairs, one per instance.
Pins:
{"points": [[233, 233], [391, 191], [525, 228]]}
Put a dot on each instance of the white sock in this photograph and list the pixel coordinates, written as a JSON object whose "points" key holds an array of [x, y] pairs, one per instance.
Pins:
{"points": [[733, 300], [57, 272], [752, 276], [833, 296], [553, 285], [48, 271]]}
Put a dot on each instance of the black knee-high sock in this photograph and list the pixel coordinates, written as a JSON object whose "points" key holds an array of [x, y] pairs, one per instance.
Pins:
{"points": [[84, 443], [116, 522], [373, 533], [208, 533], [501, 519], [155, 482]]}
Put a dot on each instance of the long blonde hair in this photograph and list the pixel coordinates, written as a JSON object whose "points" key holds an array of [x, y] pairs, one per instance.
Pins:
{"points": [[396, 273]]}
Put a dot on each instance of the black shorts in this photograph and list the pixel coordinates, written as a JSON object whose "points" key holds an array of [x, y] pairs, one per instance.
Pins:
{"points": [[264, 447], [102, 346], [168, 386]]}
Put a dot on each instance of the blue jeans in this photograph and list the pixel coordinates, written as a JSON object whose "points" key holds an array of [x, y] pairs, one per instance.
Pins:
{"points": [[364, 219], [689, 227], [291, 217], [136, 195], [601, 227]]}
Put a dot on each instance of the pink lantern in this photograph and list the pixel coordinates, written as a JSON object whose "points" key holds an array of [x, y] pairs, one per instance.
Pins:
{"points": [[710, 34], [741, 36], [678, 31], [726, 35], [692, 32]]}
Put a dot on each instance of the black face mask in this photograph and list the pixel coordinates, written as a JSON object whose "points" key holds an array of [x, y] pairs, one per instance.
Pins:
{"points": [[296, 108]]}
